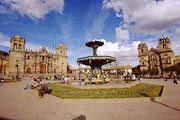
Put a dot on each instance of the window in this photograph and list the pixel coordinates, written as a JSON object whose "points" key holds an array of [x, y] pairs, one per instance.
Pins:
{"points": [[142, 50], [15, 46], [28, 57], [42, 57], [20, 46], [164, 46], [61, 52]]}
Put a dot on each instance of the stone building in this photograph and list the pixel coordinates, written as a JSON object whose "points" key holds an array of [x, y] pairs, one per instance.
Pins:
{"points": [[157, 58], [24, 62], [4, 62]]}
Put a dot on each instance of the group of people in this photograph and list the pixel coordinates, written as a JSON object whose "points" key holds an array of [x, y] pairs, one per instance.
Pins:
{"points": [[61, 77], [38, 82], [176, 78]]}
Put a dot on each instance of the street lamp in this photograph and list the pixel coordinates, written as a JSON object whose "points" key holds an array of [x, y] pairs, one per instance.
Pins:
{"points": [[17, 65], [62, 68], [79, 73]]}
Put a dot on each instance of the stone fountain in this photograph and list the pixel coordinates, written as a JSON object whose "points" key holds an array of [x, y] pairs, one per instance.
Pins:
{"points": [[95, 61]]}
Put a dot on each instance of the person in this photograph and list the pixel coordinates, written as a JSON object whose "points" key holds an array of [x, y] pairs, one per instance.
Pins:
{"points": [[32, 85], [133, 77], [176, 80], [43, 89]]}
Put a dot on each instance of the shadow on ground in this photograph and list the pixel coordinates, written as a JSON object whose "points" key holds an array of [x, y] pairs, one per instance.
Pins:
{"points": [[4, 118], [153, 100], [81, 117]]}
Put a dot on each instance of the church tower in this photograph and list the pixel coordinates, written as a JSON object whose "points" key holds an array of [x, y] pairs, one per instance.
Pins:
{"points": [[17, 43], [166, 53], [143, 56], [61, 59], [16, 56]]}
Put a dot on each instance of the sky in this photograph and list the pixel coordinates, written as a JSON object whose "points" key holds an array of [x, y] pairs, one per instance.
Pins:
{"points": [[120, 24]]}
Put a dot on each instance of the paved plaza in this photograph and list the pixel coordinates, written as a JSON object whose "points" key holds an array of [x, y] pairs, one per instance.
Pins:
{"points": [[19, 104]]}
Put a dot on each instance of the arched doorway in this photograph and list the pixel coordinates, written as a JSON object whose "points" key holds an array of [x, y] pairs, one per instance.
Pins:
{"points": [[43, 68], [28, 71]]}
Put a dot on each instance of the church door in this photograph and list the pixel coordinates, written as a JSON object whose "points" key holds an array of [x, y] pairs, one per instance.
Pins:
{"points": [[28, 71], [43, 68]]}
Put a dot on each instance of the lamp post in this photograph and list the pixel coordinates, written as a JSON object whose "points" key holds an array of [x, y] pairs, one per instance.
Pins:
{"points": [[62, 68], [79, 73], [17, 65]]}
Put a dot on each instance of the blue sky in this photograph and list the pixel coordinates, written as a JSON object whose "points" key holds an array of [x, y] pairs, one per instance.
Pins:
{"points": [[121, 24]]}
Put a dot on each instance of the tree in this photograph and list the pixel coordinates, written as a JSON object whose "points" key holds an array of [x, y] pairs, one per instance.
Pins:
{"points": [[136, 70], [153, 71], [174, 68]]}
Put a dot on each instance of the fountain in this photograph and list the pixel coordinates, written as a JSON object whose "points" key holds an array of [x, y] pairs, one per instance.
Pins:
{"points": [[95, 61]]}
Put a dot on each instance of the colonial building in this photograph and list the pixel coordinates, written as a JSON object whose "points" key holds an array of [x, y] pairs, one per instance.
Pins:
{"points": [[157, 58], [4, 62], [22, 61]]}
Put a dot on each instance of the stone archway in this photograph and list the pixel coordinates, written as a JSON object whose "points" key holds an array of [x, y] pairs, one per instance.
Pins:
{"points": [[43, 68], [28, 71]]}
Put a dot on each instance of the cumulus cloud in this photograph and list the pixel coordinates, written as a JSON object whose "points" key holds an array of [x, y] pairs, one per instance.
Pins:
{"points": [[148, 16], [122, 35], [125, 54], [4, 40], [35, 9], [178, 31]]}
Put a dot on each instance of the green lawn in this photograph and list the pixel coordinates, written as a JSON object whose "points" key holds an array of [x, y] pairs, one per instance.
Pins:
{"points": [[140, 90]]}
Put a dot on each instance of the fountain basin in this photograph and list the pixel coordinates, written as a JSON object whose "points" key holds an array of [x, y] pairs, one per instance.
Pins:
{"points": [[96, 60]]}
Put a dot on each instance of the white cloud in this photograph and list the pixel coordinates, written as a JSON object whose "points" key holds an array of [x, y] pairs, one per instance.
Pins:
{"points": [[122, 35], [125, 54], [33, 46], [95, 27], [35, 9], [4, 40], [149, 16], [178, 31]]}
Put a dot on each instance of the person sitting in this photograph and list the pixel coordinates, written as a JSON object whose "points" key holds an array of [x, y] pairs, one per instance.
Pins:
{"points": [[176, 80], [32, 85]]}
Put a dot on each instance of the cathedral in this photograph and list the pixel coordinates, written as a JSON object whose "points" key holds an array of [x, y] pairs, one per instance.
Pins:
{"points": [[157, 58], [21, 61]]}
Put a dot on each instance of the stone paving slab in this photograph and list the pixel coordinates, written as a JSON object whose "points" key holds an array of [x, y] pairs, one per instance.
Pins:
{"points": [[16, 103]]}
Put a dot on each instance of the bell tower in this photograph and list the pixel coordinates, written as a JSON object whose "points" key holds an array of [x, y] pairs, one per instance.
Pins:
{"points": [[143, 56], [17, 43], [17, 55], [166, 53], [61, 59]]}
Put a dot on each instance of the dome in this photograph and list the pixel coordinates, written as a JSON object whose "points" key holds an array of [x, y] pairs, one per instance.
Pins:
{"points": [[43, 49]]}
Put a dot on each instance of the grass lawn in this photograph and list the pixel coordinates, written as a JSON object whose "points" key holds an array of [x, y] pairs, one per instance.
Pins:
{"points": [[139, 90]]}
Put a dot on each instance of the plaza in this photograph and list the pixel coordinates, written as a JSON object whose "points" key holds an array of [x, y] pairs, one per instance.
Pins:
{"points": [[89, 60], [17, 103]]}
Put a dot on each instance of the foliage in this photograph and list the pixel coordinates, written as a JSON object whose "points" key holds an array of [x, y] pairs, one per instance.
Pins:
{"points": [[140, 90], [173, 68], [136, 70], [153, 71], [145, 72]]}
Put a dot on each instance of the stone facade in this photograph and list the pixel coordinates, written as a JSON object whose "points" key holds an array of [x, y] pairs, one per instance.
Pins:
{"points": [[157, 58], [25, 62], [4, 62]]}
